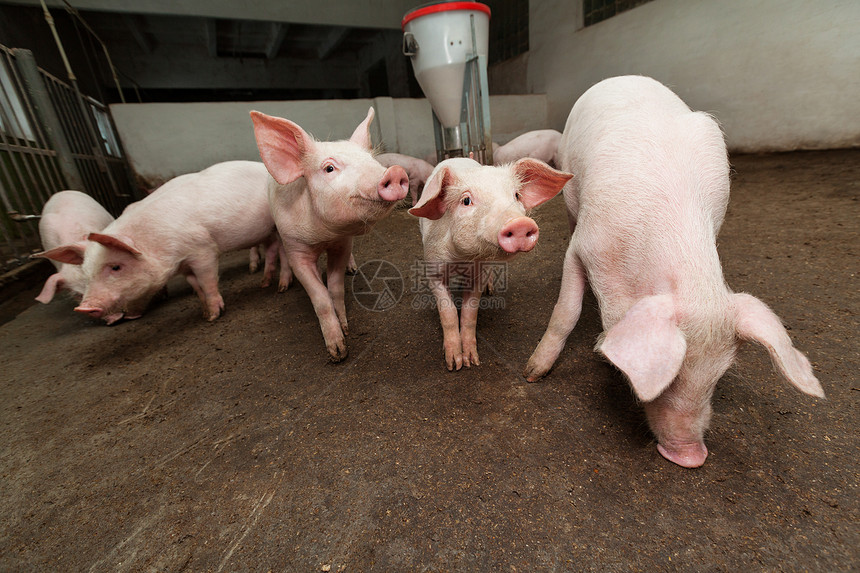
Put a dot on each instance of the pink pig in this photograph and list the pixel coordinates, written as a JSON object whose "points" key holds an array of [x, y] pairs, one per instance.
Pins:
{"points": [[470, 213], [647, 202], [182, 227], [67, 218], [541, 144], [322, 194]]}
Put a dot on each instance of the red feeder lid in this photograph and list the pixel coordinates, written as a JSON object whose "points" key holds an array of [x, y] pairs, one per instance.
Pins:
{"points": [[435, 7]]}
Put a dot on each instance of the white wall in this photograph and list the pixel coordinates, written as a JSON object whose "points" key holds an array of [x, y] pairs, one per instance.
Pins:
{"points": [[778, 74], [163, 140]]}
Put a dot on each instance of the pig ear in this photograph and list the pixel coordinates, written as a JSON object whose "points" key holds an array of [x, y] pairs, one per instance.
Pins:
{"points": [[647, 346], [112, 242], [361, 135], [52, 285], [72, 254], [432, 202], [282, 144], [540, 181], [758, 323]]}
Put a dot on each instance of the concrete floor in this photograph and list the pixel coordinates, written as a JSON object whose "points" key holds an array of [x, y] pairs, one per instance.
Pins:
{"points": [[169, 444]]}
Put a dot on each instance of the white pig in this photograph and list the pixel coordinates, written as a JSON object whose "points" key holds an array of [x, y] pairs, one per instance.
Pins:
{"points": [[321, 195], [470, 213], [67, 218], [541, 144], [647, 202], [418, 171], [182, 227]]}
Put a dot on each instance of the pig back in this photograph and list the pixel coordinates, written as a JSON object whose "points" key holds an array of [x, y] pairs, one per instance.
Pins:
{"points": [[69, 216], [226, 203], [651, 189]]}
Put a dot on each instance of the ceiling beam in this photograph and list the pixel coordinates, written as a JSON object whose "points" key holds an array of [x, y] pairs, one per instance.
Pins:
{"points": [[185, 70], [351, 13]]}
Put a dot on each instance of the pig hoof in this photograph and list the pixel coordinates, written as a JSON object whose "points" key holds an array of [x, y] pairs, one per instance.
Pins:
{"points": [[533, 372], [471, 358], [338, 354], [266, 282], [688, 456]]}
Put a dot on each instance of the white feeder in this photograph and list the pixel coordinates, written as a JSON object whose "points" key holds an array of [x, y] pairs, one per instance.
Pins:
{"points": [[447, 43]]}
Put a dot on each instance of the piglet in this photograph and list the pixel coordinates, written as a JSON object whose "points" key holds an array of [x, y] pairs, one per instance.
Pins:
{"points": [[67, 218], [417, 170], [647, 202], [322, 194], [182, 227], [540, 144], [471, 213]]}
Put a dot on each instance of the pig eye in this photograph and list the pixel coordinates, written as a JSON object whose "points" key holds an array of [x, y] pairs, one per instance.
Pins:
{"points": [[328, 168], [116, 267], [467, 201], [519, 196]]}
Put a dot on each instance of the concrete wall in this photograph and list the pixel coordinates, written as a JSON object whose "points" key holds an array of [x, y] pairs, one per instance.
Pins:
{"points": [[164, 140], [778, 74]]}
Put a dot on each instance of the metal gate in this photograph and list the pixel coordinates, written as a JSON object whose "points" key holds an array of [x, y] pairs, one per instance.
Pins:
{"points": [[51, 138]]}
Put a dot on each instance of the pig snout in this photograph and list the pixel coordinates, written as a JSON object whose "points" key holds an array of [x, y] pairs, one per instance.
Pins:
{"points": [[93, 311], [691, 455], [518, 235], [394, 184]]}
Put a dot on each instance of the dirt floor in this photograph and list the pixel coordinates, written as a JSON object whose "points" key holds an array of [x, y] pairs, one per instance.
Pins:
{"points": [[169, 443]]}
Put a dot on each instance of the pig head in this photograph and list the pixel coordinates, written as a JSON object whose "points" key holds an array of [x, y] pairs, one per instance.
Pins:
{"points": [[122, 278]]}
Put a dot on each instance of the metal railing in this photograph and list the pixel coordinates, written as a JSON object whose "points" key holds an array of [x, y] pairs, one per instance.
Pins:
{"points": [[51, 138]]}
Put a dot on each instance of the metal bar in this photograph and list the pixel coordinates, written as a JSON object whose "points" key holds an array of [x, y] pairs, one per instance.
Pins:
{"points": [[41, 181], [39, 95]]}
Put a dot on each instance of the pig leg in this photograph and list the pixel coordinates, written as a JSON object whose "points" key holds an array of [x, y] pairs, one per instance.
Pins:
{"points": [[304, 265], [203, 278], [451, 345], [286, 276], [337, 261], [269, 263], [254, 260], [469, 326], [52, 285], [565, 315]]}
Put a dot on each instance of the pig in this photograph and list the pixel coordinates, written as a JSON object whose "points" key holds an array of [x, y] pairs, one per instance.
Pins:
{"points": [[417, 170], [646, 205], [469, 213], [322, 194], [541, 144], [182, 227], [67, 218]]}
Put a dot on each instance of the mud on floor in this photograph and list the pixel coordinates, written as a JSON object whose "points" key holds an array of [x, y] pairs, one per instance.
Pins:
{"points": [[171, 444]]}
